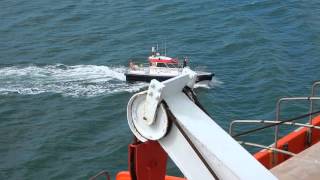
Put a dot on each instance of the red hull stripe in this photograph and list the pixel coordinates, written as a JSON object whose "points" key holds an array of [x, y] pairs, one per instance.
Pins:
{"points": [[125, 175], [157, 60]]}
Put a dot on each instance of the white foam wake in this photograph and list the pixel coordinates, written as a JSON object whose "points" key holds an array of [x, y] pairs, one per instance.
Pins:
{"points": [[209, 84], [78, 80]]}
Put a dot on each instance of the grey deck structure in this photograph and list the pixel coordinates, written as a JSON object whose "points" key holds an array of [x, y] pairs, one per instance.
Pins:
{"points": [[303, 166]]}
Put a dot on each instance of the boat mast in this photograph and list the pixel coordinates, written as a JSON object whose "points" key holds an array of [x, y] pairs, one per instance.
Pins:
{"points": [[165, 48], [157, 47]]}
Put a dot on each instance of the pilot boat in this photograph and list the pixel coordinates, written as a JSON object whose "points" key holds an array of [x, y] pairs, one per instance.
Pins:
{"points": [[161, 68]]}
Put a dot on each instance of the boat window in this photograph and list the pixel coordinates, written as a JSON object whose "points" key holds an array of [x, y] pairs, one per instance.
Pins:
{"points": [[161, 65], [173, 65]]}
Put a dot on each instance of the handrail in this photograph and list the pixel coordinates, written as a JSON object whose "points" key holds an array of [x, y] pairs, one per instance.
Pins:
{"points": [[314, 85], [268, 122], [272, 125], [278, 110], [276, 128], [277, 122], [267, 147]]}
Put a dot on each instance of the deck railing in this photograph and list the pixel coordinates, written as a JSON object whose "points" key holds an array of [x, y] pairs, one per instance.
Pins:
{"points": [[276, 122]]}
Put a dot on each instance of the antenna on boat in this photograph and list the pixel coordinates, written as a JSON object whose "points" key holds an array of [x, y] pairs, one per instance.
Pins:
{"points": [[157, 47], [165, 47]]}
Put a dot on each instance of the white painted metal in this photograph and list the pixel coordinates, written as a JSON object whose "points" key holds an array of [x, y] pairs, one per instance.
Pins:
{"points": [[162, 71], [192, 75], [183, 155], [132, 114], [140, 128], [152, 100], [174, 143], [225, 156], [157, 91]]}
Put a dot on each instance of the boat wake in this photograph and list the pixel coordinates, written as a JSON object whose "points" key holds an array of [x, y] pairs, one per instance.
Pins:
{"points": [[209, 84], [78, 80]]}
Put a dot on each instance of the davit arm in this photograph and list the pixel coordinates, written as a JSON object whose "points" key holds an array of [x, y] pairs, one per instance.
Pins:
{"points": [[199, 147]]}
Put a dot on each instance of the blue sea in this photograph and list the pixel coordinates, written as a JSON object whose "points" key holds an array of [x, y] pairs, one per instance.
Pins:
{"points": [[63, 93]]}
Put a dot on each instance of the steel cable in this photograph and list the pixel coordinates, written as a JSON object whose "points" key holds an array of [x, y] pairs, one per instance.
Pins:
{"points": [[276, 124]]}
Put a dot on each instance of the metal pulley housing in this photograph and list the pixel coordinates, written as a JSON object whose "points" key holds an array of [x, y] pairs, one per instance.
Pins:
{"points": [[138, 123]]}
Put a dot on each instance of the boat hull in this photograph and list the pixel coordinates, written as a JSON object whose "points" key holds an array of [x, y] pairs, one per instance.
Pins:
{"points": [[130, 77]]}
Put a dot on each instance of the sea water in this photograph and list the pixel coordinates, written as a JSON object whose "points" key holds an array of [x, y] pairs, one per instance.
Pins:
{"points": [[63, 93]]}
